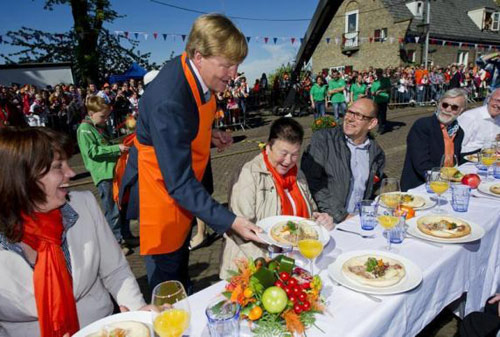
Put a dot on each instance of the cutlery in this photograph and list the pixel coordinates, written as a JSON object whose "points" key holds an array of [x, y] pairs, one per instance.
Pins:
{"points": [[365, 236], [409, 236], [371, 297]]}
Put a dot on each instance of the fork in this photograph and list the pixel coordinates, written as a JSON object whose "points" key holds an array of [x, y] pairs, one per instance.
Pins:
{"points": [[364, 236]]}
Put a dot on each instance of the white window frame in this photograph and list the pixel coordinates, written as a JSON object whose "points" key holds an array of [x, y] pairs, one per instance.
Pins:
{"points": [[463, 57], [347, 14], [495, 21], [413, 53]]}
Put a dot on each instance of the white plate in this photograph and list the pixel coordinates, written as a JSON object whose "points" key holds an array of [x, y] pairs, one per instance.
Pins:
{"points": [[476, 231], [267, 223], [428, 201], [485, 188], [138, 316], [411, 280]]}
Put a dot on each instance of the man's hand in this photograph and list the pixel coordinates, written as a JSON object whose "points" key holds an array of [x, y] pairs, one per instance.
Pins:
{"points": [[324, 219], [123, 148], [246, 229], [495, 300], [222, 140]]}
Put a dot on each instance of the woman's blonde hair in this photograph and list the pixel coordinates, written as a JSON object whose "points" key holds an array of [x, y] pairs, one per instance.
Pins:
{"points": [[96, 104], [215, 35]]}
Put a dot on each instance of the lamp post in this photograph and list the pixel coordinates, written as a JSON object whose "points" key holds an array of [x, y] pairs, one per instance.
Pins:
{"points": [[427, 29]]}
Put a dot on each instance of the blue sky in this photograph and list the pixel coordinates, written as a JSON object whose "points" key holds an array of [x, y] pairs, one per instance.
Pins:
{"points": [[149, 17]]}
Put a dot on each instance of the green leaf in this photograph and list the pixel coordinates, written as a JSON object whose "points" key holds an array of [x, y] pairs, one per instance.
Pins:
{"points": [[227, 294]]}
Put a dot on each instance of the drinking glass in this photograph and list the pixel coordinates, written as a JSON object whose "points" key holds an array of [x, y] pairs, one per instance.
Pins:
{"points": [[439, 183], [311, 249], [223, 317], [488, 158], [388, 222], [449, 160], [174, 314]]}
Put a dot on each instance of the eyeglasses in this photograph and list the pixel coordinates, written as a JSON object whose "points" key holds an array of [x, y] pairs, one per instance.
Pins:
{"points": [[453, 107], [358, 116]]}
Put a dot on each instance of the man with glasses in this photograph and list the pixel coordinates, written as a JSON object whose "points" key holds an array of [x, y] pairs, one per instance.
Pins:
{"points": [[481, 125], [343, 164], [432, 137]]}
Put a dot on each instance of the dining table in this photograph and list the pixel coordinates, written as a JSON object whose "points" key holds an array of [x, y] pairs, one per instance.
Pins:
{"points": [[451, 271]]}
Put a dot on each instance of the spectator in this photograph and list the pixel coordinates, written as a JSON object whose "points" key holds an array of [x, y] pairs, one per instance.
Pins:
{"points": [[336, 87], [380, 91], [318, 97]]}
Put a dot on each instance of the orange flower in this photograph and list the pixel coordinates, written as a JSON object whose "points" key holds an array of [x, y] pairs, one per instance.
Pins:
{"points": [[318, 122], [293, 323]]}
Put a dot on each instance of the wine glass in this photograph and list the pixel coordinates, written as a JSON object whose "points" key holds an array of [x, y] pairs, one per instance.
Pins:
{"points": [[174, 314], [388, 222], [311, 248], [390, 193], [488, 157], [439, 183]]}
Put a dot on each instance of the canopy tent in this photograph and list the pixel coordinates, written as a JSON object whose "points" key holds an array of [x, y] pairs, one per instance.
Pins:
{"points": [[135, 71]]}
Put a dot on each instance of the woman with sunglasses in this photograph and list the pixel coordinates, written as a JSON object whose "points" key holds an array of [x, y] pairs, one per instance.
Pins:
{"points": [[432, 137]]}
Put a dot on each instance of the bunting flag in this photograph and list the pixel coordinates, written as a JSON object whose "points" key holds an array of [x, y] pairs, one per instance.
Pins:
{"points": [[183, 37], [248, 39], [136, 35], [327, 40], [370, 39], [275, 39], [417, 38], [145, 36], [292, 39], [301, 39], [164, 37], [400, 40], [155, 35], [1, 39], [460, 45], [266, 39], [126, 34], [337, 40]]}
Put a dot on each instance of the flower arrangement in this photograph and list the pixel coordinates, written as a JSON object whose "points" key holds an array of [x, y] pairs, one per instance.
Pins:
{"points": [[324, 122], [276, 297]]}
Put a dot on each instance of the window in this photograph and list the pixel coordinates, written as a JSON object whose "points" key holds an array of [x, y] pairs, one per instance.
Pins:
{"points": [[420, 6], [463, 57], [495, 24], [412, 56], [380, 35], [351, 21]]}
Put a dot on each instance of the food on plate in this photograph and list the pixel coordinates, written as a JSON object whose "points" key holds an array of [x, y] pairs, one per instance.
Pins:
{"points": [[471, 180], [443, 226], [411, 200], [406, 211], [452, 174], [495, 189], [290, 232], [123, 329], [472, 158], [374, 271]]}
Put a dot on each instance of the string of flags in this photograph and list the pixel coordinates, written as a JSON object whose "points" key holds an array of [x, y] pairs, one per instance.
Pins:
{"points": [[346, 39]]}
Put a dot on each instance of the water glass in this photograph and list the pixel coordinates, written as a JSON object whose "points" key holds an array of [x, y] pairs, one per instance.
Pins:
{"points": [[427, 182], [368, 214], [496, 170], [397, 233], [460, 195], [223, 318]]}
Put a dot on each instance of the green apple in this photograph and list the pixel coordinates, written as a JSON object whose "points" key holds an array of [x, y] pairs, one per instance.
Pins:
{"points": [[274, 300]]}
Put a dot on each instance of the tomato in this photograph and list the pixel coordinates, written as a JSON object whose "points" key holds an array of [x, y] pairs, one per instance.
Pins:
{"points": [[302, 296], [284, 276], [279, 284], [248, 293], [292, 298], [293, 281], [306, 305], [471, 179], [288, 290], [297, 308], [274, 299], [255, 313], [296, 290], [306, 285]]}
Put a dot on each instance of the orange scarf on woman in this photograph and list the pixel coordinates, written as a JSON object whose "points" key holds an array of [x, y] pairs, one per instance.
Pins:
{"points": [[55, 302], [288, 182]]}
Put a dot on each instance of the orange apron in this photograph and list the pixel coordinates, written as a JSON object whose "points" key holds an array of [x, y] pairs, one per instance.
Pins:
{"points": [[164, 224]]}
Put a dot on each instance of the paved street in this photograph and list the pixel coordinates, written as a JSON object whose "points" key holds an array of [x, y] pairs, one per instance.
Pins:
{"points": [[204, 262]]}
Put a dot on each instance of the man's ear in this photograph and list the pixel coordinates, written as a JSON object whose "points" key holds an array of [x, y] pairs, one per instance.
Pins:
{"points": [[373, 123], [197, 59]]}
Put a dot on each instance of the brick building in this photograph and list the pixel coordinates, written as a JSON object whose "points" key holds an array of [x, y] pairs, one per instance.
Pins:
{"points": [[390, 33]]}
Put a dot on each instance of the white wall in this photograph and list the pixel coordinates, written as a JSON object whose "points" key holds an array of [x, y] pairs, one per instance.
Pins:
{"points": [[39, 76]]}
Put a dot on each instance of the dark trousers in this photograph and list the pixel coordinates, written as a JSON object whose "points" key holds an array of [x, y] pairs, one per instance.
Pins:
{"points": [[481, 324], [382, 116], [170, 266]]}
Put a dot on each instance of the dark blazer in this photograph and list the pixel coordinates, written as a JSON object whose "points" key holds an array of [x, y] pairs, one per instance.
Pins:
{"points": [[424, 149]]}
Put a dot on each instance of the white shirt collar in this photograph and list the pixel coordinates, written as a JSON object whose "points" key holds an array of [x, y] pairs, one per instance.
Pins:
{"points": [[363, 145], [198, 76]]}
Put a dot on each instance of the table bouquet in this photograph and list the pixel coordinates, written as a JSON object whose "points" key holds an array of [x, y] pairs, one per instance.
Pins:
{"points": [[276, 297]]}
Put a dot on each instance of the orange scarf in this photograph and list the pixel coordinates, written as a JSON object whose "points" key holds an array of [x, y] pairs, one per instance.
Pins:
{"points": [[288, 182], [52, 281], [449, 147]]}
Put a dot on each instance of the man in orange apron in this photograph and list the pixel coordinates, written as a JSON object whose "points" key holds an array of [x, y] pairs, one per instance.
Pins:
{"points": [[174, 135]]}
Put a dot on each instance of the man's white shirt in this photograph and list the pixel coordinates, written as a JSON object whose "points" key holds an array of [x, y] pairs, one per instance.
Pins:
{"points": [[479, 128]]}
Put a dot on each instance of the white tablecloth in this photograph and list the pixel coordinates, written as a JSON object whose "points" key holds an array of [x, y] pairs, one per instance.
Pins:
{"points": [[448, 272]]}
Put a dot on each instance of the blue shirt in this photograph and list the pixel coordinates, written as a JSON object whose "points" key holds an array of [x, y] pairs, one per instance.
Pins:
{"points": [[360, 169]]}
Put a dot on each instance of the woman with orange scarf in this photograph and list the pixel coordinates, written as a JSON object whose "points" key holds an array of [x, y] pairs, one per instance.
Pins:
{"points": [[269, 185], [58, 258]]}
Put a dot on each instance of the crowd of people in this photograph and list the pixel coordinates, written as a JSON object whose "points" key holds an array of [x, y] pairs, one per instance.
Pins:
{"points": [[63, 254]]}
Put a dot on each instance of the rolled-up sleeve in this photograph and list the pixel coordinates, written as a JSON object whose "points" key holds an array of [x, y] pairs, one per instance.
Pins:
{"points": [[172, 130]]}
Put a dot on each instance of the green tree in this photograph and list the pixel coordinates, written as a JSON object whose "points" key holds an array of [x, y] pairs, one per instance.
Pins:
{"points": [[94, 51]]}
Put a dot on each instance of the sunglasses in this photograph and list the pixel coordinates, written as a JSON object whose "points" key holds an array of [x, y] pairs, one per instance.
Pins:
{"points": [[453, 107]]}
